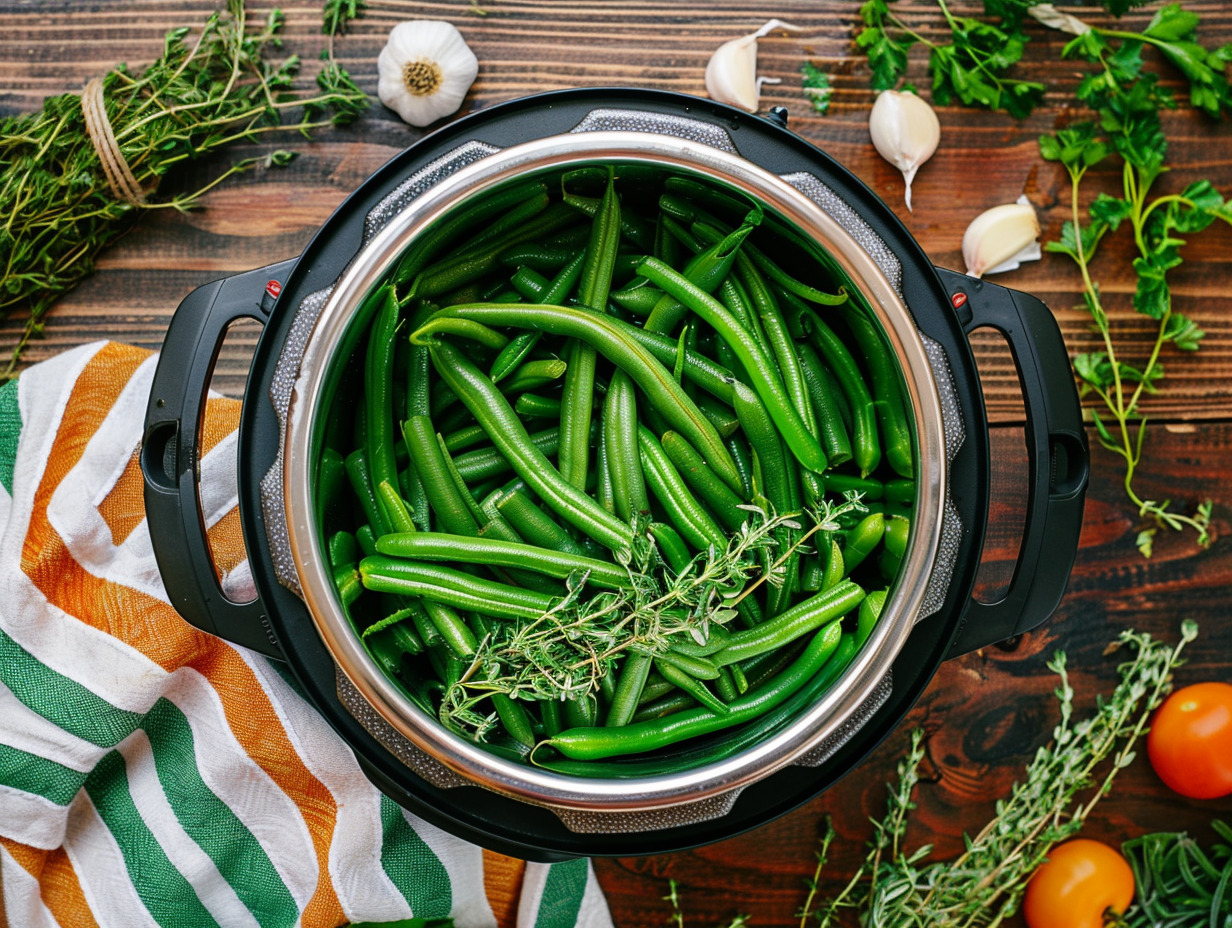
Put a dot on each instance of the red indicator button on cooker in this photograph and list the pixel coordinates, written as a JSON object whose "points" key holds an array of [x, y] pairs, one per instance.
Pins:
{"points": [[273, 288], [958, 300]]}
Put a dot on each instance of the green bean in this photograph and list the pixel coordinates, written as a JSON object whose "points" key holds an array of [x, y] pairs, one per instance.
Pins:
{"points": [[671, 546], [550, 712], [706, 270], [395, 508], [764, 439], [639, 297], [862, 539], [389, 646], [462, 269], [620, 442], [688, 516], [883, 374], [436, 546], [700, 668], [494, 413], [870, 612], [532, 406], [594, 285], [835, 441], [787, 626], [532, 523], [451, 587], [597, 743], [894, 546], [453, 630], [535, 374], [465, 438], [716, 641], [757, 365], [539, 258], [692, 467], [633, 227], [835, 569], [579, 711], [361, 482], [512, 355], [610, 337], [726, 685], [437, 237], [515, 719], [721, 416], [378, 396], [740, 454], [365, 537], [460, 485], [782, 348], [347, 583], [487, 462], [664, 707], [865, 447], [687, 683], [605, 493], [633, 674], [343, 549], [900, 490], [453, 513]]}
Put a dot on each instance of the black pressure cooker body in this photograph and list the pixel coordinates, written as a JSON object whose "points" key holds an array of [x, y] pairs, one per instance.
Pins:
{"points": [[945, 306]]}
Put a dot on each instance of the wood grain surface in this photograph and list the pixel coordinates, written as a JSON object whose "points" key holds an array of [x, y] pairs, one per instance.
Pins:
{"points": [[986, 713]]}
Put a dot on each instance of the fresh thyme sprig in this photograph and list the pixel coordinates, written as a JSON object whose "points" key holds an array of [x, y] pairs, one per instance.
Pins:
{"points": [[895, 886], [58, 211], [564, 653]]}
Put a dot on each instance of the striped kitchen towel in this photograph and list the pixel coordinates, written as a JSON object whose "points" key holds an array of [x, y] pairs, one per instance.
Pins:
{"points": [[152, 775]]}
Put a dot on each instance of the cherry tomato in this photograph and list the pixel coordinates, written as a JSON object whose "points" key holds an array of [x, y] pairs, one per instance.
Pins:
{"points": [[1078, 883], [1190, 744]]}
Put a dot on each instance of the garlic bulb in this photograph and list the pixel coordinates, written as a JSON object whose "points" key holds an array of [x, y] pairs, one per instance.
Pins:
{"points": [[1001, 238], [731, 73], [425, 69], [905, 132]]}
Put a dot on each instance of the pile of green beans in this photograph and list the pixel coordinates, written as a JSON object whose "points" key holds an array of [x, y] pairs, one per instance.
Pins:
{"points": [[577, 392]]}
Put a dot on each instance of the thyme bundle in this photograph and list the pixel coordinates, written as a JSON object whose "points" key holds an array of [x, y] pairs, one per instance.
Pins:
{"points": [[564, 653], [59, 200]]}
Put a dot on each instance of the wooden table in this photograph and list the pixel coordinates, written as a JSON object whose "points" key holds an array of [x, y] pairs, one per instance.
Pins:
{"points": [[987, 712]]}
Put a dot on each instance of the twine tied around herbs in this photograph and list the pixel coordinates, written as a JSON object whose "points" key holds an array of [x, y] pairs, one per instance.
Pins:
{"points": [[120, 177]]}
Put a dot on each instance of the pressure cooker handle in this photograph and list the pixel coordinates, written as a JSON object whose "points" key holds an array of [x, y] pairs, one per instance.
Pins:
{"points": [[171, 454], [1058, 459]]}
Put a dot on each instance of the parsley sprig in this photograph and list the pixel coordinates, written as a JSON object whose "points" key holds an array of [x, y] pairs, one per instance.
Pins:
{"points": [[1127, 101], [972, 67]]}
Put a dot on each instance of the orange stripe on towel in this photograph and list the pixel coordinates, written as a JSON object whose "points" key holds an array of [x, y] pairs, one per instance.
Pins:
{"points": [[59, 887]]}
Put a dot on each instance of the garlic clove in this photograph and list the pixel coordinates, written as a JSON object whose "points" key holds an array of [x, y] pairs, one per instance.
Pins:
{"points": [[425, 70], [1053, 18], [731, 73], [1001, 238], [905, 131]]}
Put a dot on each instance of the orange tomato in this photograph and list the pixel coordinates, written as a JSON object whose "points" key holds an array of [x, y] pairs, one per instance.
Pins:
{"points": [[1190, 744], [1076, 885]]}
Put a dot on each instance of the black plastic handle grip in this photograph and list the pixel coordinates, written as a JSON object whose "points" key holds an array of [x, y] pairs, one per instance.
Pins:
{"points": [[1059, 461], [170, 454]]}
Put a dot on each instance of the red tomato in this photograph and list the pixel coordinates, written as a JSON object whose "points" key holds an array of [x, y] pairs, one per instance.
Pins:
{"points": [[1076, 885], [1190, 744]]}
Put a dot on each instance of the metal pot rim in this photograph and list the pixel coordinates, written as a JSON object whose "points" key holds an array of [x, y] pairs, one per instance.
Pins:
{"points": [[536, 785]]}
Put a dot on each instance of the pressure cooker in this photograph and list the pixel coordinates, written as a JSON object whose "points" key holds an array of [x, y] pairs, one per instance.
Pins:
{"points": [[310, 308]]}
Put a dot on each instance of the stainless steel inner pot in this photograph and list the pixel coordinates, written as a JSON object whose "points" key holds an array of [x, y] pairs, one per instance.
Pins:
{"points": [[327, 344]]}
